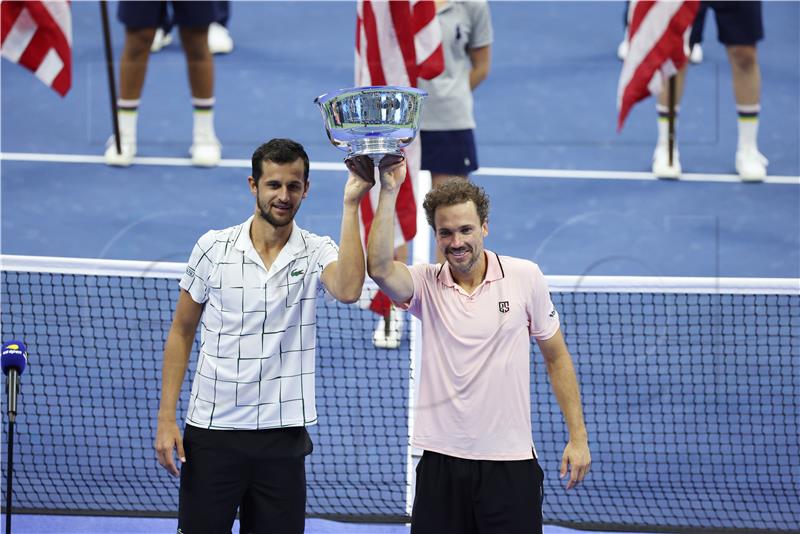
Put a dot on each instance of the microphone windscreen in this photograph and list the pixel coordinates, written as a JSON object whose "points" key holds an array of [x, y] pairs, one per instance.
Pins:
{"points": [[14, 356]]}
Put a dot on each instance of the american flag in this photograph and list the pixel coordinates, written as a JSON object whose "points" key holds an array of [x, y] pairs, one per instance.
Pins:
{"points": [[397, 42], [656, 35], [38, 36]]}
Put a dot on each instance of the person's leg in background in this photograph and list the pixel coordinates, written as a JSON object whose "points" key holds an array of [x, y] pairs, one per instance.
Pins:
{"points": [[661, 166], [141, 21], [205, 150], [740, 28], [193, 19], [750, 163]]}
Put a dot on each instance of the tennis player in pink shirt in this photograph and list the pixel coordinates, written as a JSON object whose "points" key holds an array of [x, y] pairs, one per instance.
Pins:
{"points": [[479, 310]]}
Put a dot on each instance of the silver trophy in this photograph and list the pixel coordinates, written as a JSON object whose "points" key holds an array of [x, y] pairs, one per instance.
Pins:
{"points": [[373, 121]]}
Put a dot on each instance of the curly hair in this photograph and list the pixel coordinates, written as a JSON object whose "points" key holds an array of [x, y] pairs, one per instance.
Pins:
{"points": [[455, 192]]}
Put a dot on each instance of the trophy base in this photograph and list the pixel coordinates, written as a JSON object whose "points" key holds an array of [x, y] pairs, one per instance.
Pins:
{"points": [[375, 147]]}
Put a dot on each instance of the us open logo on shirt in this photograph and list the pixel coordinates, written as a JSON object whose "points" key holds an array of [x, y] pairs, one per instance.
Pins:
{"points": [[504, 307], [189, 271]]}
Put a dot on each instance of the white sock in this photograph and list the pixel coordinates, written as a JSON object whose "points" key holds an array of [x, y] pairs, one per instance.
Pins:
{"points": [[128, 114], [663, 123], [748, 125], [203, 129]]}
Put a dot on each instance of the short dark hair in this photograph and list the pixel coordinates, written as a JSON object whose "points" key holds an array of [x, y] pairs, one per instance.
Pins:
{"points": [[279, 151], [455, 192]]}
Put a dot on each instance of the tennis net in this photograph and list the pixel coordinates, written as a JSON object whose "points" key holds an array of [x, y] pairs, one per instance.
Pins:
{"points": [[691, 390]]}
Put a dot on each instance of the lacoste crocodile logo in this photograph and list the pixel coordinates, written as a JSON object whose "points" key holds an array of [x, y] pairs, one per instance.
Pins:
{"points": [[297, 272]]}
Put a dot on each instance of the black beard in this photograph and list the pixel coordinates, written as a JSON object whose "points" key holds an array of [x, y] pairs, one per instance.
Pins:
{"points": [[272, 220]]}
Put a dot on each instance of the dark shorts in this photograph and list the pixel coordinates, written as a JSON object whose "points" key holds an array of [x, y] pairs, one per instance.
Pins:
{"points": [[259, 472], [136, 15], [449, 152], [738, 23], [477, 496]]}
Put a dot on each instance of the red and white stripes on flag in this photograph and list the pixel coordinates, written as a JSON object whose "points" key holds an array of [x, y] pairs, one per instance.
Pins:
{"points": [[38, 36], [656, 34], [397, 42]]}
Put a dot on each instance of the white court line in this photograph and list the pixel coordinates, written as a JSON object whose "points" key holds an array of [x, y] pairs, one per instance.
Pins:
{"points": [[339, 167]]}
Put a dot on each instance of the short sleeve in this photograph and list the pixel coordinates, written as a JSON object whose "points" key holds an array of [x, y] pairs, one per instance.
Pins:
{"points": [[482, 33], [327, 253], [418, 277], [544, 320], [198, 269]]}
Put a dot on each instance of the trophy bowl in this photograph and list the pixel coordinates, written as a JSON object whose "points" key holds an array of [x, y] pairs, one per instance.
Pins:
{"points": [[373, 121]]}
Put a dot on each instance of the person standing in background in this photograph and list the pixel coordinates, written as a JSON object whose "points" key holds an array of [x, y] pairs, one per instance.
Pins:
{"points": [[141, 20], [447, 129], [740, 27]]}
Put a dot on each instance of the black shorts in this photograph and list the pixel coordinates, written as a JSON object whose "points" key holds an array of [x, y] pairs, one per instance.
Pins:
{"points": [[477, 496], [259, 472], [449, 152], [738, 23], [151, 14]]}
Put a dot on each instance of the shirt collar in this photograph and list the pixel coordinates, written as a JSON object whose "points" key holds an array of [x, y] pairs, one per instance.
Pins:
{"points": [[494, 270], [293, 247], [444, 7]]}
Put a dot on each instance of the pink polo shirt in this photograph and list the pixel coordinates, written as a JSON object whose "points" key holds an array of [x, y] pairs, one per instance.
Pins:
{"points": [[474, 390]]}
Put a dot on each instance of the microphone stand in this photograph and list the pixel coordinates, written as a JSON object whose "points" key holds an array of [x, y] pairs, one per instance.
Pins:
{"points": [[12, 417]]}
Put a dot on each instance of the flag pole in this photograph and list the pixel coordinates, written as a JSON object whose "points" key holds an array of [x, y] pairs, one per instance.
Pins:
{"points": [[112, 86], [671, 117]]}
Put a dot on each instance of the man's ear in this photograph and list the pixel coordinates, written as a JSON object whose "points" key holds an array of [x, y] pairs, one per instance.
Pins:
{"points": [[307, 187], [253, 187]]}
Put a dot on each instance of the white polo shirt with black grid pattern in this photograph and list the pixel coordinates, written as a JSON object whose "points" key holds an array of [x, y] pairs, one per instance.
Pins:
{"points": [[258, 329]]}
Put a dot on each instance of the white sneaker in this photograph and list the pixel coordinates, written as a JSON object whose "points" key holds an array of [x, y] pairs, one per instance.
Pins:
{"points": [[661, 166], [206, 152], [125, 159], [696, 56], [622, 50], [389, 332], [219, 39], [751, 164], [161, 40]]}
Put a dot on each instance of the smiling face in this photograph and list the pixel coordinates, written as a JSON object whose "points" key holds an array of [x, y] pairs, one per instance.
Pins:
{"points": [[279, 191], [459, 235]]}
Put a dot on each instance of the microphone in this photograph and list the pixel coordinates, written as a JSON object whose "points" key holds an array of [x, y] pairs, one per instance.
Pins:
{"points": [[13, 361]]}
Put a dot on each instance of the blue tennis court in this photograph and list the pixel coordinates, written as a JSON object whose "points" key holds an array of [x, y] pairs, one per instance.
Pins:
{"points": [[567, 191]]}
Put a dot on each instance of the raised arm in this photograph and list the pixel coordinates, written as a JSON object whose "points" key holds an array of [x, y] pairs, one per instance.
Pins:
{"points": [[344, 278], [177, 350], [565, 387], [391, 276]]}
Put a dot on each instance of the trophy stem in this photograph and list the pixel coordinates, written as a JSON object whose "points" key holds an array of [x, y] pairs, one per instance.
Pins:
{"points": [[375, 147]]}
